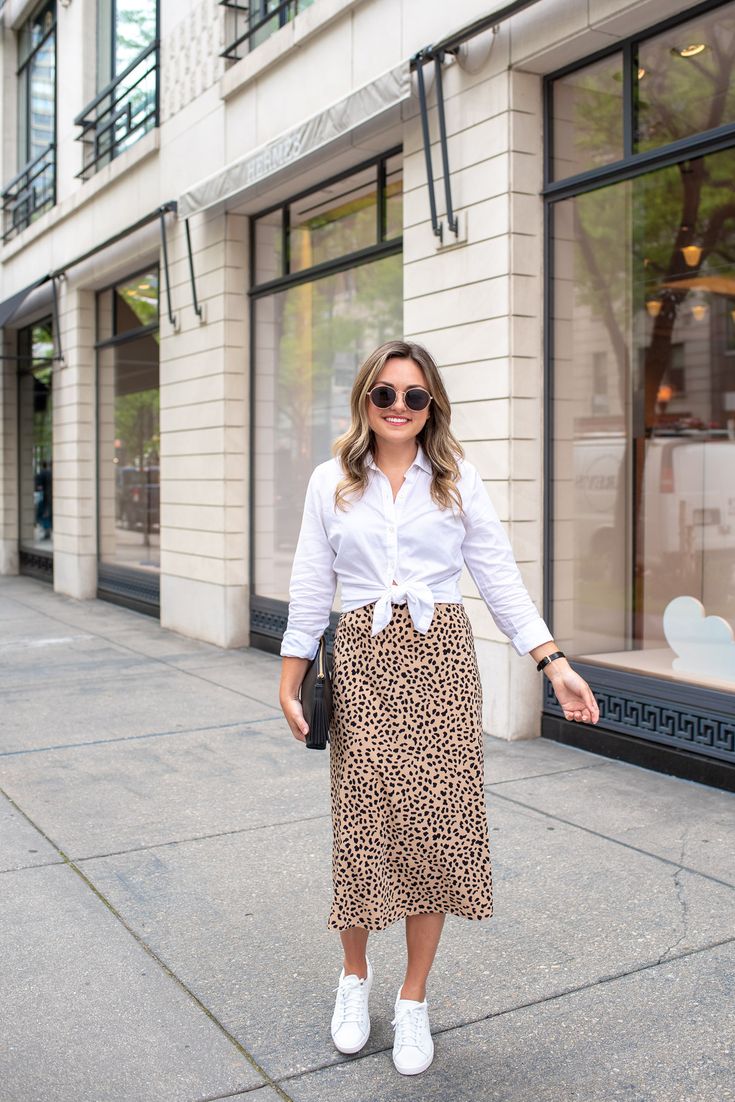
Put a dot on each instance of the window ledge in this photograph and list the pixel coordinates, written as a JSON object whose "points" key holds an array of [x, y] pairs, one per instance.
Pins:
{"points": [[271, 52], [143, 148]]}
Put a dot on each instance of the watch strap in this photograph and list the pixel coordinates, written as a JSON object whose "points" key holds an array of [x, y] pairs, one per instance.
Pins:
{"points": [[550, 658]]}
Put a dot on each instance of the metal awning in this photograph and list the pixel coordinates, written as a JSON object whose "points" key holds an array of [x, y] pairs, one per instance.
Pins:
{"points": [[13, 303], [284, 156]]}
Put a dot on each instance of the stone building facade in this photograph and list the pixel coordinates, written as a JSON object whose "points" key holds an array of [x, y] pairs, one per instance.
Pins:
{"points": [[211, 216]]}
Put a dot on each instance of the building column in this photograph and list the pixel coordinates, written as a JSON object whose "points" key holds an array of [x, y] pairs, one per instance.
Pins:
{"points": [[204, 439], [476, 302], [8, 457], [74, 421]]}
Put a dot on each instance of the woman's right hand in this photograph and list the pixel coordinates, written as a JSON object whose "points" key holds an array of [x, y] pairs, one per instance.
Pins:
{"points": [[293, 671], [294, 714]]}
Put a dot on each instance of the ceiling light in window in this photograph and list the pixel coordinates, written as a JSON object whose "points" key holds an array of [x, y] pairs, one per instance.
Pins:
{"points": [[691, 50], [653, 306], [692, 255]]}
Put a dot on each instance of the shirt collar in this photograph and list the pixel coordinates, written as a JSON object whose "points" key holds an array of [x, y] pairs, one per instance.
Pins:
{"points": [[422, 460]]}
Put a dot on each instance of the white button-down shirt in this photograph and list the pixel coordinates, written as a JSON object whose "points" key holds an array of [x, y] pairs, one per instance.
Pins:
{"points": [[407, 550]]}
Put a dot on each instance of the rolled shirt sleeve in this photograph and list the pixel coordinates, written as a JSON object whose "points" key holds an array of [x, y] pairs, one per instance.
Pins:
{"points": [[489, 558], [313, 580]]}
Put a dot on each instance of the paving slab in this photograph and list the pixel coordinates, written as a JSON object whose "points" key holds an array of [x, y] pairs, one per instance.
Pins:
{"points": [[683, 821], [21, 845], [260, 681], [140, 792], [510, 761], [158, 642], [65, 655], [95, 709], [12, 611], [89, 1015], [242, 918], [660, 1035]]}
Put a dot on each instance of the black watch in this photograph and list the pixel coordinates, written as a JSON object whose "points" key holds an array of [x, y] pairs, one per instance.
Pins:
{"points": [[550, 658]]}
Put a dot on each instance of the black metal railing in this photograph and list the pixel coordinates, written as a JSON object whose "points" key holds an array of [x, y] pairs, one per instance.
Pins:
{"points": [[253, 23], [125, 110], [30, 193]]}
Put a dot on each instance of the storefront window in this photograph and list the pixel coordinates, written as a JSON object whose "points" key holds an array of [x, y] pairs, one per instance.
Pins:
{"points": [[644, 460], [587, 124], [128, 424], [686, 79], [35, 437], [310, 339], [681, 83]]}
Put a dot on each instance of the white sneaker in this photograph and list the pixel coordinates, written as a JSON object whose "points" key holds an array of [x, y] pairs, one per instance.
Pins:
{"points": [[351, 1021], [413, 1048]]}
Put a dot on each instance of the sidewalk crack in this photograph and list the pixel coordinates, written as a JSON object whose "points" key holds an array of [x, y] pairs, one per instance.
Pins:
{"points": [[681, 896]]}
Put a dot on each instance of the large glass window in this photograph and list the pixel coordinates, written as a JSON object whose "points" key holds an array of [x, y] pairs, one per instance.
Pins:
{"points": [[33, 189], [644, 463], [128, 424], [310, 336], [35, 438], [686, 79], [588, 117], [680, 84]]}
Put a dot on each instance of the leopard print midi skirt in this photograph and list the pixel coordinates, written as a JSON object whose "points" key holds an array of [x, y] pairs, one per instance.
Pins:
{"points": [[410, 829]]}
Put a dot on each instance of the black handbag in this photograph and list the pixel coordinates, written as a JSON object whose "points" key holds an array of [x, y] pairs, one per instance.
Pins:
{"points": [[316, 699]]}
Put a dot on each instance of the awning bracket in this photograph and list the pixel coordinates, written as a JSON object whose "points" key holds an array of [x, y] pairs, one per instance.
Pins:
{"points": [[198, 310], [58, 356], [420, 59], [164, 244]]}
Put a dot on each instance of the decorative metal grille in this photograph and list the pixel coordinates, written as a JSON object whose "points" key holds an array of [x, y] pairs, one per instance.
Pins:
{"points": [[668, 712], [137, 589], [269, 617], [36, 565]]}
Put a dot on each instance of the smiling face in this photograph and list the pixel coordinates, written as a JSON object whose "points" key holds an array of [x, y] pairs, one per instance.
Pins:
{"points": [[398, 424]]}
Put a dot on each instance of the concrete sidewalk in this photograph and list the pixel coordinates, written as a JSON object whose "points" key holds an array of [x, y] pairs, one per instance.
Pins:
{"points": [[165, 847]]}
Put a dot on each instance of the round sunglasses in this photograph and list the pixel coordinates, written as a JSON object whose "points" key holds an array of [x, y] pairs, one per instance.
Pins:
{"points": [[384, 396]]}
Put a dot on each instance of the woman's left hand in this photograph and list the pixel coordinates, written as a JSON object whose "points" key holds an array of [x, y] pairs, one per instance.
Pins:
{"points": [[574, 694]]}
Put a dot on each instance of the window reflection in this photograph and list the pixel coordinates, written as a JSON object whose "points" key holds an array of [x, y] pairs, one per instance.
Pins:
{"points": [[588, 117], [129, 426], [644, 484], [35, 436], [310, 341], [685, 79], [339, 219]]}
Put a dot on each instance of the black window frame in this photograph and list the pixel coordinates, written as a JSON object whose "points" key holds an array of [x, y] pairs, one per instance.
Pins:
{"points": [[257, 16], [102, 114], [33, 562], [268, 616], [660, 723], [119, 584], [19, 203]]}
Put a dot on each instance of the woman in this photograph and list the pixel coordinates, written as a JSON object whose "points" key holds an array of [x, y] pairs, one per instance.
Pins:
{"points": [[393, 516]]}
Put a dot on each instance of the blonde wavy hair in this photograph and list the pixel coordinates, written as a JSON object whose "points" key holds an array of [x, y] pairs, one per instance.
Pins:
{"points": [[442, 448]]}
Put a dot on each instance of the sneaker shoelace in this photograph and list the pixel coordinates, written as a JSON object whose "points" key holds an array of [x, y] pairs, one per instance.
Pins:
{"points": [[407, 1025], [352, 997]]}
